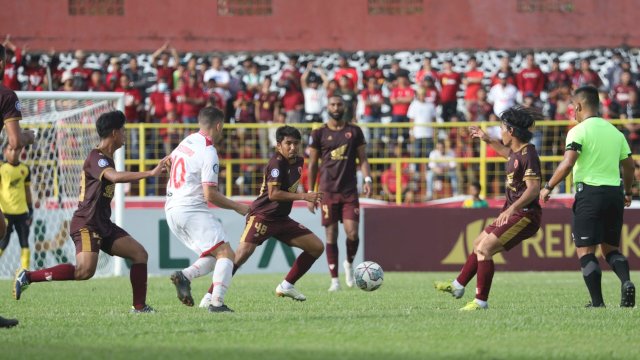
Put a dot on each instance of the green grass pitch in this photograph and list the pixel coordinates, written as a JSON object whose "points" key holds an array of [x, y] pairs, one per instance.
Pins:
{"points": [[532, 316]]}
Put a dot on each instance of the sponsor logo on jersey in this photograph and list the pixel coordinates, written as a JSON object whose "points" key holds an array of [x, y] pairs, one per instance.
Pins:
{"points": [[19, 106], [103, 163]]}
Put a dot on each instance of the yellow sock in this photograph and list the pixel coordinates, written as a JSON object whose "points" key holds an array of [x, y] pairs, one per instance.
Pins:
{"points": [[25, 257]]}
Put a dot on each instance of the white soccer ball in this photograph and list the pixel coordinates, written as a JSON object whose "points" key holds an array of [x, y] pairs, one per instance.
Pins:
{"points": [[369, 276]]}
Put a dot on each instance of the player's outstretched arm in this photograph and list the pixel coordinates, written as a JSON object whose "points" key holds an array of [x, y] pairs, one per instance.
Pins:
{"points": [[212, 195], [128, 176], [275, 194], [496, 144]]}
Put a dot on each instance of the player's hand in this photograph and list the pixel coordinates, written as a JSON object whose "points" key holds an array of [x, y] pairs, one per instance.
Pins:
{"points": [[504, 216], [478, 133], [545, 194], [627, 200], [243, 209], [161, 167], [28, 137], [313, 199], [367, 189]]}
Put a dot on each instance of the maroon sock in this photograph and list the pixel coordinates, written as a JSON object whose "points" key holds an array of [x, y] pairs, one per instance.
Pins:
{"points": [[352, 249], [210, 291], [300, 267], [60, 272], [485, 276], [138, 277], [332, 259], [468, 270]]}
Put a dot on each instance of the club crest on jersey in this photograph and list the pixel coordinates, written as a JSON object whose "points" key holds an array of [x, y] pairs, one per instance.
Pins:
{"points": [[215, 168], [515, 164], [103, 163], [19, 106], [275, 173], [348, 135], [330, 138]]}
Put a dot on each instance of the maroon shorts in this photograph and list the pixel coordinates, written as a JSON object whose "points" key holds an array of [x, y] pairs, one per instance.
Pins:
{"points": [[339, 207], [259, 229], [520, 226], [88, 240]]}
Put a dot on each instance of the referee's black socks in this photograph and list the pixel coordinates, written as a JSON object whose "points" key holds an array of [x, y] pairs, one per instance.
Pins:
{"points": [[592, 277], [619, 265]]}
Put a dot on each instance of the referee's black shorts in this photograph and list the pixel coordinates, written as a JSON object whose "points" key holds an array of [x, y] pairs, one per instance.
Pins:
{"points": [[597, 215]]}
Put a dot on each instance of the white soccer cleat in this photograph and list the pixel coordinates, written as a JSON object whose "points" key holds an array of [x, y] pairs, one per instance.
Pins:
{"points": [[348, 274], [206, 301], [291, 293], [335, 286]]}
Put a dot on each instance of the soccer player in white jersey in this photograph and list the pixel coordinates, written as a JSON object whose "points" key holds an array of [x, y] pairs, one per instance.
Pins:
{"points": [[192, 183]]}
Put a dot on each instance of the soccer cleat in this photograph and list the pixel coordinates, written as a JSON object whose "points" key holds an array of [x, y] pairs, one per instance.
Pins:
{"points": [[20, 283], [223, 308], [206, 301], [348, 274], [145, 309], [335, 286], [473, 305], [628, 298], [447, 287], [183, 287], [291, 293], [590, 305], [7, 323]]}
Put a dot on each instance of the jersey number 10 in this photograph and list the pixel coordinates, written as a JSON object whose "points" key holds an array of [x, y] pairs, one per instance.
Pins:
{"points": [[178, 171]]}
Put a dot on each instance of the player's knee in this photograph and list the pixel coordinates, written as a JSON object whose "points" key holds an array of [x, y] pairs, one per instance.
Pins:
{"points": [[352, 235], [316, 249], [140, 256]]}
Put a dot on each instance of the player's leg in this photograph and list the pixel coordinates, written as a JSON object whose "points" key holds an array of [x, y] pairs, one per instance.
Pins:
{"points": [[331, 233], [468, 271], [3, 225], [8, 229], [351, 221], [485, 250], [222, 274], [128, 248], [242, 254], [22, 229], [312, 248]]}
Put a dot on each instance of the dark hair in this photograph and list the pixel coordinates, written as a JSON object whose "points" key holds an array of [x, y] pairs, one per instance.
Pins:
{"points": [[287, 131], [3, 52], [210, 115], [476, 185], [109, 121], [589, 94], [520, 119]]}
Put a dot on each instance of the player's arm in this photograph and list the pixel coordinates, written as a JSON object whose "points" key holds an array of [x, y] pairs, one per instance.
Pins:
{"points": [[313, 168], [214, 196], [564, 169], [530, 194], [115, 176], [158, 52], [276, 194], [366, 170], [17, 137], [496, 144], [628, 169]]}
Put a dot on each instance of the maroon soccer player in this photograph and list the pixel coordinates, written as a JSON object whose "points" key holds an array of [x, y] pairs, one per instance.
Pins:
{"points": [[339, 144], [521, 213], [269, 213], [91, 228], [10, 116]]}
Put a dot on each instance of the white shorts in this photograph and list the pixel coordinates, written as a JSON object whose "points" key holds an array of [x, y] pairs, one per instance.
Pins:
{"points": [[197, 228]]}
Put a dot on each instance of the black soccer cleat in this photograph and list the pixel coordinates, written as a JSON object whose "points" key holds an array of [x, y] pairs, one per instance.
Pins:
{"points": [[218, 309], [183, 287], [7, 323], [628, 295]]}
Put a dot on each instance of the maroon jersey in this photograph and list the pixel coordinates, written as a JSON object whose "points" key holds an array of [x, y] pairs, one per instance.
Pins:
{"points": [[522, 165], [94, 206], [286, 177], [10, 109], [338, 151], [266, 104]]}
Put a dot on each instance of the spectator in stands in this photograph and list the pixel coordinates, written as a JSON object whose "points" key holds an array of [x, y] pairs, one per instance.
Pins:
{"points": [[245, 108], [426, 70], [474, 201], [267, 108], [450, 84], [217, 72], [372, 99], [114, 73], [96, 83], [441, 168], [159, 101], [137, 77], [215, 95], [401, 98], [556, 78], [395, 72], [388, 181], [253, 78], [192, 69], [614, 72], [349, 97], [503, 95], [421, 113], [586, 76], [315, 95], [35, 73], [622, 91], [81, 74], [132, 108], [505, 68], [11, 65], [480, 109], [193, 98], [472, 81], [432, 95], [67, 81], [290, 73], [610, 108], [530, 79], [373, 71], [292, 100], [161, 61], [171, 136], [344, 70]]}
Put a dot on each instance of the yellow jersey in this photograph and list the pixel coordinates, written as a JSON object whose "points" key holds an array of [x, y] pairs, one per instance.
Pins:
{"points": [[13, 194]]}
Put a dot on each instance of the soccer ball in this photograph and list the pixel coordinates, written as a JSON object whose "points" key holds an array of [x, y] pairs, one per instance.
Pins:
{"points": [[369, 276]]}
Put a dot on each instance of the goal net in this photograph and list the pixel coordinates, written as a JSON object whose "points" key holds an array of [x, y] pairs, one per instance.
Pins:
{"points": [[64, 123]]}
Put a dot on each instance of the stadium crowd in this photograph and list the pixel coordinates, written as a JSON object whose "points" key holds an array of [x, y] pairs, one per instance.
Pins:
{"points": [[420, 88]]}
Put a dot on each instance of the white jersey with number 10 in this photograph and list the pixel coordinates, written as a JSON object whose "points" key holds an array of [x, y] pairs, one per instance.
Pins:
{"points": [[194, 163]]}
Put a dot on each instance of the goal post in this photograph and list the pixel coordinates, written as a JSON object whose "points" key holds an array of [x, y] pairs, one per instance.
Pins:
{"points": [[65, 133]]}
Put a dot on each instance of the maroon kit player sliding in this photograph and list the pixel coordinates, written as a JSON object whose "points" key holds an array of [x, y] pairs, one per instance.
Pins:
{"points": [[269, 213], [91, 228], [521, 213], [339, 144]]}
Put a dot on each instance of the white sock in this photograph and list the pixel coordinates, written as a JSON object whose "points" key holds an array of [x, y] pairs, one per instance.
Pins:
{"points": [[335, 281], [457, 285], [221, 280], [481, 302], [201, 267], [286, 285]]}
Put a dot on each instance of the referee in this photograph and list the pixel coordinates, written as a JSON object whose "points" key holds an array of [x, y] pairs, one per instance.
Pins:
{"points": [[595, 150]]}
